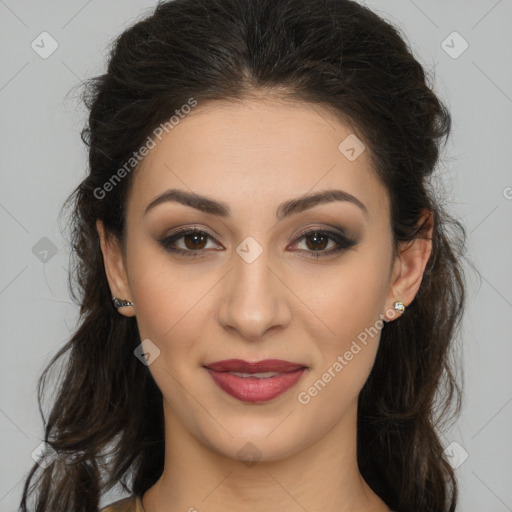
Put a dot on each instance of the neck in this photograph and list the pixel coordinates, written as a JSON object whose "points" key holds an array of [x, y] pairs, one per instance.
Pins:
{"points": [[323, 476]]}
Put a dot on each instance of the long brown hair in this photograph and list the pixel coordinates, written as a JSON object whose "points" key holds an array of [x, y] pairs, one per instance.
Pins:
{"points": [[106, 421]]}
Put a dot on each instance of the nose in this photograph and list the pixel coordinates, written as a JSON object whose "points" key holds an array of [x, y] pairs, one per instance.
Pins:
{"points": [[254, 299]]}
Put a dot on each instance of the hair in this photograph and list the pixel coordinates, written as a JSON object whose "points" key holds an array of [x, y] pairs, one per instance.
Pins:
{"points": [[106, 423]]}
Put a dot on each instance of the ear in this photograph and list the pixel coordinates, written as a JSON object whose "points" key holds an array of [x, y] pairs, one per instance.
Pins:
{"points": [[115, 267], [409, 266]]}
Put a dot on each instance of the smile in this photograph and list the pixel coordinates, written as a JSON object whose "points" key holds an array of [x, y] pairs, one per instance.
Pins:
{"points": [[255, 382]]}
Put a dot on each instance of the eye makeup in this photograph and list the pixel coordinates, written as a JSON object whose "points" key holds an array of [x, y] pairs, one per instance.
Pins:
{"points": [[193, 241]]}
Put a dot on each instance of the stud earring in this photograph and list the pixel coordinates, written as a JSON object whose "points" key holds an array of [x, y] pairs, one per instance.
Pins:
{"points": [[399, 306], [120, 303]]}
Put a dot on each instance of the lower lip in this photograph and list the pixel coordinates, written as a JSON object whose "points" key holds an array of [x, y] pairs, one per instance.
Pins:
{"points": [[252, 389]]}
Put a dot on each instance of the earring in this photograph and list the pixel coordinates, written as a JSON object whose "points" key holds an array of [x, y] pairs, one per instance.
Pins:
{"points": [[120, 303], [399, 306]]}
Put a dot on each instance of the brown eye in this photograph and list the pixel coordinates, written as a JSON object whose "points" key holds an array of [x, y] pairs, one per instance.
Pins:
{"points": [[196, 240], [316, 240], [187, 242]]}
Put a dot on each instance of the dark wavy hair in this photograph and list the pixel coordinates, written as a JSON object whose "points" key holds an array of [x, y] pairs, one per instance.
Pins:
{"points": [[106, 420]]}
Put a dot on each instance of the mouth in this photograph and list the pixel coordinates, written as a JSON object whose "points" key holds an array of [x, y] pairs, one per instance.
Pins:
{"points": [[255, 382]]}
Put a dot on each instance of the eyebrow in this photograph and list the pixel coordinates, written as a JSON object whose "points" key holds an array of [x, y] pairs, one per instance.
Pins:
{"points": [[285, 209]]}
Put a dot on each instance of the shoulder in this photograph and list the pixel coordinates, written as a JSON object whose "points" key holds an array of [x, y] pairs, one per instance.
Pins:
{"points": [[130, 504]]}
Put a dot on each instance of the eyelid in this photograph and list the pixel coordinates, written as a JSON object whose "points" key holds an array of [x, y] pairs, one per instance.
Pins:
{"points": [[191, 228], [326, 228], [335, 234], [342, 241], [167, 240]]}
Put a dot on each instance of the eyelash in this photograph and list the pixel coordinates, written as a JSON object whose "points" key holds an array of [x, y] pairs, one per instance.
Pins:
{"points": [[343, 242]]}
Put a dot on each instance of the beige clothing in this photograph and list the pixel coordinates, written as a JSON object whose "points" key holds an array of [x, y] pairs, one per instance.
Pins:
{"points": [[131, 504]]}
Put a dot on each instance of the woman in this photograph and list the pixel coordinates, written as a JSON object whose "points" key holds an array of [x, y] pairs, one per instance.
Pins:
{"points": [[269, 287]]}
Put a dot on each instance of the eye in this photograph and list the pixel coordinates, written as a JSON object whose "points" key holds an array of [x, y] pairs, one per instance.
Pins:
{"points": [[317, 240], [193, 243]]}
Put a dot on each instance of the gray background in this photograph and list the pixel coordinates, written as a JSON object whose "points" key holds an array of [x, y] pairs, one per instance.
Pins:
{"points": [[42, 159]]}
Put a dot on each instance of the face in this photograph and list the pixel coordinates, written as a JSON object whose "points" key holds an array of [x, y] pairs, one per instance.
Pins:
{"points": [[264, 274]]}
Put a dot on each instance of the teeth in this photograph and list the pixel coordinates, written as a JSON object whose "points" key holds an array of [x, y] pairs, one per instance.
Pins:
{"points": [[264, 375]]}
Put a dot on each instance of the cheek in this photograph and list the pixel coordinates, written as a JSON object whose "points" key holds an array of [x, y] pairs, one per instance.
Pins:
{"points": [[172, 306], [348, 298], [333, 304], [172, 316], [169, 298], [348, 302]]}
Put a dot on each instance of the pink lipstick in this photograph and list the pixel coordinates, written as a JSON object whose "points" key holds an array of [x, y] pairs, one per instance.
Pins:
{"points": [[255, 382]]}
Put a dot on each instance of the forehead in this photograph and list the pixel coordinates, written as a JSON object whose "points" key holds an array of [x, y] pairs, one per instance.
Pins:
{"points": [[256, 153]]}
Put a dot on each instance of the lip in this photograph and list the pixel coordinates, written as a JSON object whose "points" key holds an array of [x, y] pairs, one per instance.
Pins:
{"points": [[254, 389], [266, 365]]}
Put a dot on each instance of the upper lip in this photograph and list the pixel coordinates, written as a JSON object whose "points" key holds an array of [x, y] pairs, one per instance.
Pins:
{"points": [[266, 365]]}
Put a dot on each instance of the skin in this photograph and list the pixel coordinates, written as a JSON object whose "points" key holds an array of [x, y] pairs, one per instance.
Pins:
{"points": [[286, 304]]}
